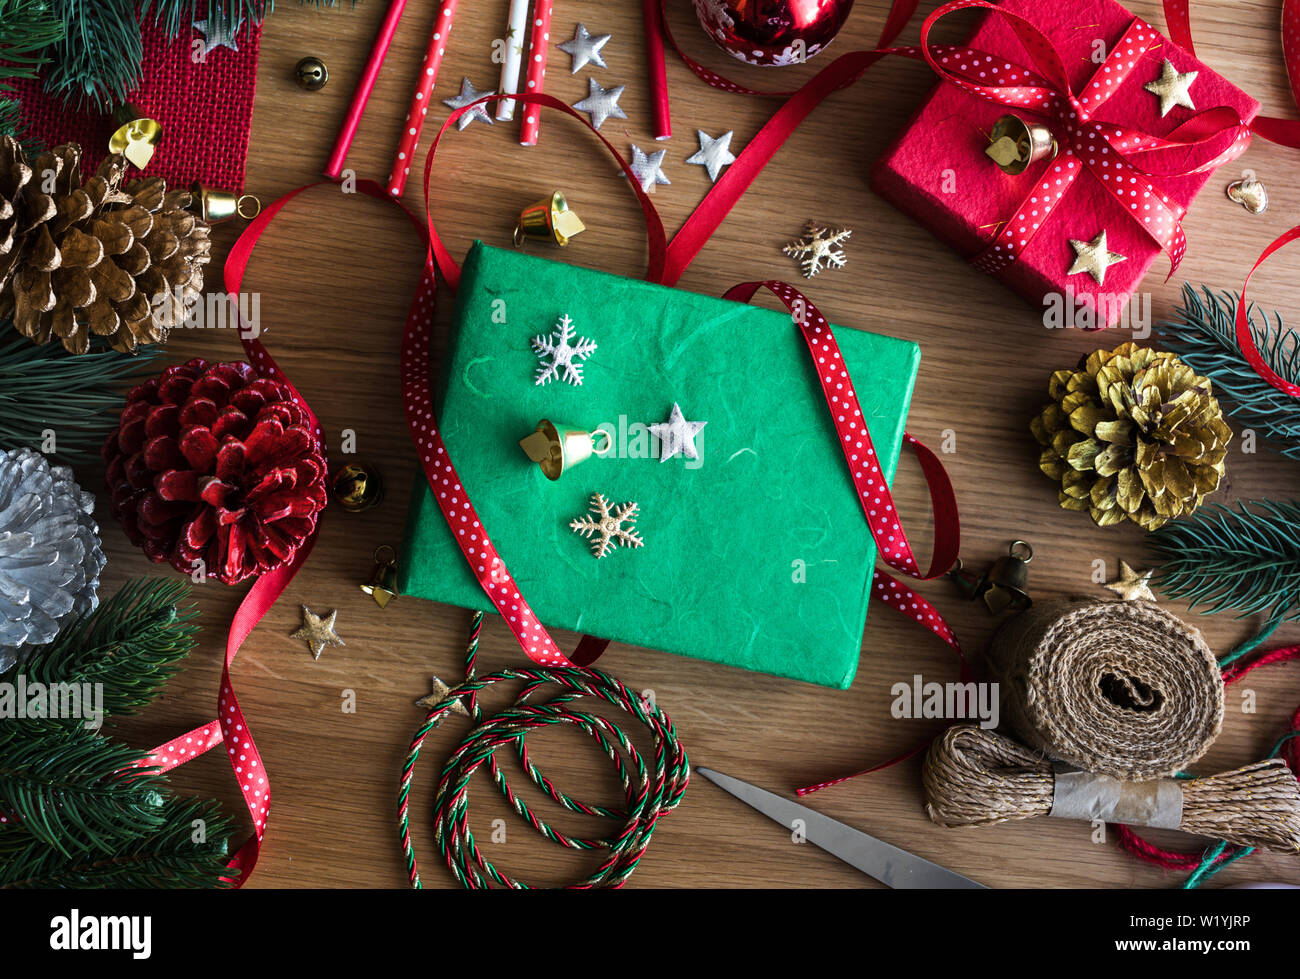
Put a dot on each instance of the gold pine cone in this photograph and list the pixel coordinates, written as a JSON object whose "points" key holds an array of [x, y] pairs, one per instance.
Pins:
{"points": [[98, 256], [1133, 434]]}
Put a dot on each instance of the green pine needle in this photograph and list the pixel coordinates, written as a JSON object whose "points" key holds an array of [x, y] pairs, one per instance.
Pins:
{"points": [[177, 14], [1204, 336], [98, 62], [1246, 560], [132, 644], [169, 857], [77, 398], [27, 29], [74, 790]]}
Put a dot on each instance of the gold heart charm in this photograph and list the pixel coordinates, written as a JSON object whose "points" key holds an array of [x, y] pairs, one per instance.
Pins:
{"points": [[1003, 151], [1250, 194]]}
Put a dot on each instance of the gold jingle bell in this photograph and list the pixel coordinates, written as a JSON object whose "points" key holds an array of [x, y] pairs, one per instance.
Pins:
{"points": [[1007, 579], [358, 487], [548, 220], [1250, 194], [218, 206], [382, 586], [558, 448], [311, 74], [136, 136], [1014, 144]]}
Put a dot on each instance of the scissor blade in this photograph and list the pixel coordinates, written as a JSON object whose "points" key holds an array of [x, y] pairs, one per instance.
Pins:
{"points": [[882, 861]]}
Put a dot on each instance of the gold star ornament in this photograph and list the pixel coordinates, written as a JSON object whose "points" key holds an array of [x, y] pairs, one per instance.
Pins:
{"points": [[317, 632], [1132, 585], [440, 691], [1172, 88], [1094, 258]]}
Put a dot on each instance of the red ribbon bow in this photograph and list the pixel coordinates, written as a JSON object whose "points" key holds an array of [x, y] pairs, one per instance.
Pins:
{"points": [[1086, 142]]}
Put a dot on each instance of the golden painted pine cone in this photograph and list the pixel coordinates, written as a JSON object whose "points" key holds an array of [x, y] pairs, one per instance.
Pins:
{"points": [[95, 257], [1133, 434]]}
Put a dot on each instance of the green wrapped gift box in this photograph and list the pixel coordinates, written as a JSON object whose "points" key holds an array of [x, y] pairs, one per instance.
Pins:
{"points": [[756, 554]]}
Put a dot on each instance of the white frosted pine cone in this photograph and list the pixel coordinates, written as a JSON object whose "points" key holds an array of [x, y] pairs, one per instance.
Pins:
{"points": [[50, 555]]}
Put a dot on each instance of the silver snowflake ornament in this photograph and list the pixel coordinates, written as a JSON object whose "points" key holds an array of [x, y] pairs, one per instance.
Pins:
{"points": [[677, 435], [648, 170], [714, 154], [819, 248], [559, 353], [601, 103], [50, 555], [584, 49], [468, 94], [604, 528]]}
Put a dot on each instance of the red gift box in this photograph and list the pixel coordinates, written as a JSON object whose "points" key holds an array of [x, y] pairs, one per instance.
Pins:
{"points": [[1123, 168]]}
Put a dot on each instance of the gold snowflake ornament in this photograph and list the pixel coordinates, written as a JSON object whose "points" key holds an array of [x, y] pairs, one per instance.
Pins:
{"points": [[819, 248], [605, 527]]}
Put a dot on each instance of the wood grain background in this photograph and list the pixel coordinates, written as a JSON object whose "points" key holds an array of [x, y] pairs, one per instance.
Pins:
{"points": [[336, 275]]}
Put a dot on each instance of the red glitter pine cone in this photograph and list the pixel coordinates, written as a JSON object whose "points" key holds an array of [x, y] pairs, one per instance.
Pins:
{"points": [[212, 463]]}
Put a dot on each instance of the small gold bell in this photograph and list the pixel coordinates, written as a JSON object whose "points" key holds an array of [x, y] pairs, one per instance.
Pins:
{"points": [[548, 220], [1250, 194], [311, 74], [218, 206], [1014, 144], [558, 448], [382, 586], [358, 487], [1007, 579], [136, 137]]}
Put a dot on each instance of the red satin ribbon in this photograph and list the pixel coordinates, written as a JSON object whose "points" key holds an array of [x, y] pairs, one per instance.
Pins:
{"points": [[1246, 340]]}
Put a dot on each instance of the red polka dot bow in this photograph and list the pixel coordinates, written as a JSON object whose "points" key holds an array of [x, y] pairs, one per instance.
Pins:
{"points": [[1120, 158]]}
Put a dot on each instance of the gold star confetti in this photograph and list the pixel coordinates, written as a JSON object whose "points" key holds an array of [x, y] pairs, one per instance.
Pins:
{"points": [[1132, 585], [440, 691], [1094, 258], [317, 632], [1172, 87]]}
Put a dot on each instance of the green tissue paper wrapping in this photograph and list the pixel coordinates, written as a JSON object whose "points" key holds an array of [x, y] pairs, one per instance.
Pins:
{"points": [[756, 555]]}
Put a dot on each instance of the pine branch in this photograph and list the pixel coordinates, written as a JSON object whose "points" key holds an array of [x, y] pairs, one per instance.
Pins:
{"points": [[167, 858], [74, 790], [1204, 336], [132, 644], [44, 388], [176, 15], [1247, 559], [97, 63], [27, 29]]}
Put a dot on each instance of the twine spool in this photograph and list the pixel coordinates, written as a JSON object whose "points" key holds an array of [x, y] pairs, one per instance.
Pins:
{"points": [[974, 777], [1123, 689]]}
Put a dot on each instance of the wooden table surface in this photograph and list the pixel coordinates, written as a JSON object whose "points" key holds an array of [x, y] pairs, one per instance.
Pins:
{"points": [[336, 275]]}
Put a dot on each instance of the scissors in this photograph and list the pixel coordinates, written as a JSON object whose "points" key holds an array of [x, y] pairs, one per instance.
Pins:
{"points": [[875, 858]]}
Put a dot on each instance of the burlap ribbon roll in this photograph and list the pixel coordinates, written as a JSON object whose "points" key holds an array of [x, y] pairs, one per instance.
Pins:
{"points": [[1116, 688]]}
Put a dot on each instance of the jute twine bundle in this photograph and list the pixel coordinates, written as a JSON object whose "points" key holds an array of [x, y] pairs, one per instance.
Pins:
{"points": [[1116, 688], [974, 777]]}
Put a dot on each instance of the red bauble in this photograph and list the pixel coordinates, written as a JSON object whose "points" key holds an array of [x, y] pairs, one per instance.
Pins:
{"points": [[212, 463], [772, 32]]}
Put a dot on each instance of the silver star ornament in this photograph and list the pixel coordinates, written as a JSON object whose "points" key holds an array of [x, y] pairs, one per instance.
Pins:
{"points": [[714, 154], [677, 435], [468, 94], [648, 170], [584, 49], [218, 33], [601, 103]]}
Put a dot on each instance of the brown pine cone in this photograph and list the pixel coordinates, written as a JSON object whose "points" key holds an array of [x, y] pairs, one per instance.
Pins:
{"points": [[97, 257]]}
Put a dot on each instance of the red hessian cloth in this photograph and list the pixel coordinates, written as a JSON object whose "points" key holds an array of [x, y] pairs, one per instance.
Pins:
{"points": [[205, 109]]}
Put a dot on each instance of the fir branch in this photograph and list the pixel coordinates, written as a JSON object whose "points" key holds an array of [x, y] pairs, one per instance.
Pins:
{"points": [[74, 790], [132, 644], [97, 63], [166, 858], [1247, 559], [176, 15], [1204, 336], [44, 388], [27, 29]]}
